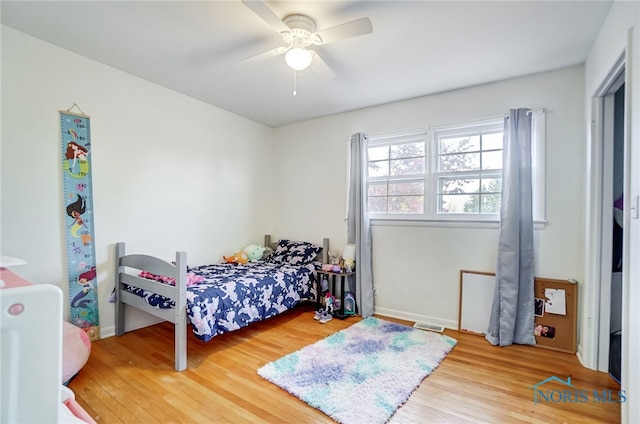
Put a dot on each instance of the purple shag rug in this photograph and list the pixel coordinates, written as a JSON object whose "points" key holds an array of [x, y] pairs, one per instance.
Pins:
{"points": [[362, 374]]}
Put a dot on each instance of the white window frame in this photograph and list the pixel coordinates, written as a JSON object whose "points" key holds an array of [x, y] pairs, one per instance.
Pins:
{"points": [[431, 217], [460, 130], [402, 138]]}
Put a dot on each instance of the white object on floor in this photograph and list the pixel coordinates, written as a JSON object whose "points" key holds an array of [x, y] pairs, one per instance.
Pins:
{"points": [[325, 318], [70, 411]]}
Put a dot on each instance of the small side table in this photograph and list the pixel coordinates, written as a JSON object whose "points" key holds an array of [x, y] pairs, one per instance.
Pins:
{"points": [[331, 277]]}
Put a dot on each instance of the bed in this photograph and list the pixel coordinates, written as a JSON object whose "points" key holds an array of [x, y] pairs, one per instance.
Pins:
{"points": [[216, 298]]}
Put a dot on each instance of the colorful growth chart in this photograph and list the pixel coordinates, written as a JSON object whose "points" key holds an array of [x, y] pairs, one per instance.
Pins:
{"points": [[78, 213]]}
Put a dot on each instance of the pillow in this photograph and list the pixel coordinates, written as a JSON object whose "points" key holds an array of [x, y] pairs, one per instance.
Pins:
{"points": [[295, 252], [76, 348], [192, 279]]}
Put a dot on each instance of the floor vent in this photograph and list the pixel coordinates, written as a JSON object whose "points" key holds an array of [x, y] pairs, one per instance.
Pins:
{"points": [[428, 326]]}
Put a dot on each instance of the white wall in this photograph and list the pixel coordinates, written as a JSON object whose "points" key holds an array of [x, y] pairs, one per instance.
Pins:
{"points": [[169, 172], [619, 34], [416, 269]]}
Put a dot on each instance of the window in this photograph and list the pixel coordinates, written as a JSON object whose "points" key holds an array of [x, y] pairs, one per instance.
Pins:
{"points": [[396, 176], [448, 173], [468, 171]]}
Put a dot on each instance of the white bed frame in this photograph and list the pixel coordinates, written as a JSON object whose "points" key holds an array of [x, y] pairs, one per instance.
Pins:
{"points": [[178, 293]]}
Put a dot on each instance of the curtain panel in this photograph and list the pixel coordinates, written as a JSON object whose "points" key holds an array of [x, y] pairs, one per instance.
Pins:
{"points": [[512, 313], [359, 225]]}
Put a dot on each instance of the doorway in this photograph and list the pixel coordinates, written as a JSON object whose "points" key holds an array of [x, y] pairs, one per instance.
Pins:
{"points": [[612, 116]]}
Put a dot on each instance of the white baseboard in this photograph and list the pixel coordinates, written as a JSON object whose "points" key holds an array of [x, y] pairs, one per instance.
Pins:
{"points": [[582, 358], [130, 326], [580, 355], [141, 322], [447, 323]]}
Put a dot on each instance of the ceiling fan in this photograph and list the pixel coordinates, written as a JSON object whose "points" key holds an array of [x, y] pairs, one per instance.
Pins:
{"points": [[299, 32]]}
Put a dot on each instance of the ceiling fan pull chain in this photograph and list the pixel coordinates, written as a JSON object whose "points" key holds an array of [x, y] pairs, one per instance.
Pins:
{"points": [[295, 81]]}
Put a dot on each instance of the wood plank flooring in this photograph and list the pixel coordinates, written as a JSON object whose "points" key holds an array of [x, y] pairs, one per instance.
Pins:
{"points": [[130, 379]]}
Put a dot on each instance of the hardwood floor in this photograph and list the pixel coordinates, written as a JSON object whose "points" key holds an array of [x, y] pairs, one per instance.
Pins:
{"points": [[131, 379]]}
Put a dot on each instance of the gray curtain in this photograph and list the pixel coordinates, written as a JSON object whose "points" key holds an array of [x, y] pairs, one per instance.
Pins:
{"points": [[512, 313], [358, 225]]}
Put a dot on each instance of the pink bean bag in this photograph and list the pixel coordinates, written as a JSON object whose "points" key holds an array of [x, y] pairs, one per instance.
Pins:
{"points": [[76, 348]]}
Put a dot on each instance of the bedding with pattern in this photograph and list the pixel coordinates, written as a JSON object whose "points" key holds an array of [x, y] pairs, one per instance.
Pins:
{"points": [[231, 296]]}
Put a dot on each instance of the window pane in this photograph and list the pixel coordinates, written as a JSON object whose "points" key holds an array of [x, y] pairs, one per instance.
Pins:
{"points": [[462, 162], [472, 204], [406, 204], [458, 185], [377, 204], [490, 203], [458, 203], [404, 188], [491, 185], [378, 153], [491, 141], [378, 189], [379, 169], [459, 144], [492, 160], [407, 166], [408, 150]]}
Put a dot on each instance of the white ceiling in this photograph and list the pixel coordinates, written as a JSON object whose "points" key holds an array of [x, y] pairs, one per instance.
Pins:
{"points": [[416, 47]]}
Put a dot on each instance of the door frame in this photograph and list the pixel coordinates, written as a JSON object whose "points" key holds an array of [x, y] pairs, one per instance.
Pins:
{"points": [[599, 172], [590, 324], [604, 109]]}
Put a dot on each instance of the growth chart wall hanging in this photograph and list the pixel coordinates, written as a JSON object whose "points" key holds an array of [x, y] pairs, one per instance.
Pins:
{"points": [[78, 213]]}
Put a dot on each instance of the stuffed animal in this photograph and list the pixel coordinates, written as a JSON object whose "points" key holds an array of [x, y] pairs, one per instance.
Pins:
{"points": [[267, 252], [239, 257], [334, 257], [349, 265], [328, 302], [254, 252]]}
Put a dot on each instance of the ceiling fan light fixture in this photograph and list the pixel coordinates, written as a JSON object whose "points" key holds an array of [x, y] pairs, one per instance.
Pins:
{"points": [[298, 58]]}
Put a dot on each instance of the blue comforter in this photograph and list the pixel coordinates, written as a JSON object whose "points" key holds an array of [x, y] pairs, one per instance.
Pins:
{"points": [[232, 296]]}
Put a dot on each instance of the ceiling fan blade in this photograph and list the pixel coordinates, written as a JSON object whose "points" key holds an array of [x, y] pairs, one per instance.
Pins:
{"points": [[347, 30], [261, 9], [265, 55], [320, 67]]}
